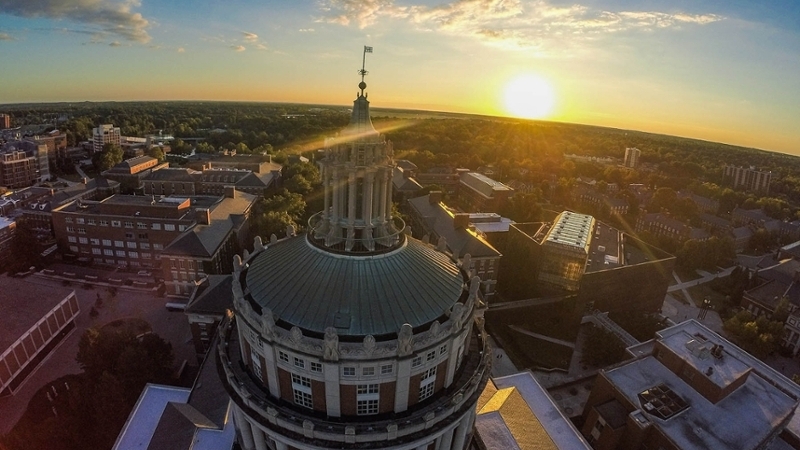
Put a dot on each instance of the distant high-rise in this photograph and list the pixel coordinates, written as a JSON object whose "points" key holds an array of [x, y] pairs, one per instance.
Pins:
{"points": [[748, 177], [5, 121], [632, 155], [105, 134]]}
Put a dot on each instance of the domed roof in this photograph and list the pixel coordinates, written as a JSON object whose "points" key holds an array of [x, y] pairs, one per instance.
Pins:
{"points": [[359, 295]]}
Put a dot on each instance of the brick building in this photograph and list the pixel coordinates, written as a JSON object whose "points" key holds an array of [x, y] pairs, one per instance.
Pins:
{"points": [[131, 172], [479, 193], [105, 134], [689, 388]]}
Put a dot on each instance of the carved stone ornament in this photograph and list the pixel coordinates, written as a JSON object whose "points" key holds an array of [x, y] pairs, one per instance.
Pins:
{"points": [[369, 344], [330, 351], [258, 244], [267, 323], [442, 244], [237, 264], [290, 231], [245, 255], [405, 340], [466, 263], [272, 238], [296, 335], [474, 285], [457, 316], [435, 328]]}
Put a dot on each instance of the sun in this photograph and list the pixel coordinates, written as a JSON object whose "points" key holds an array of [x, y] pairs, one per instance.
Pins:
{"points": [[529, 97]]}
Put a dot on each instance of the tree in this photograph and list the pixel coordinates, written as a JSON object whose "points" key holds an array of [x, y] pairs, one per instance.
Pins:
{"points": [[274, 222], [111, 155], [157, 153], [757, 335]]}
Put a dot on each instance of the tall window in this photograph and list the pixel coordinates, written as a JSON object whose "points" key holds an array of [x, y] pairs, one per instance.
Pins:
{"points": [[427, 383], [256, 359], [302, 391], [367, 399]]}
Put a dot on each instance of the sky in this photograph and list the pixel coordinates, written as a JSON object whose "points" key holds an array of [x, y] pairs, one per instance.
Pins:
{"points": [[718, 70]]}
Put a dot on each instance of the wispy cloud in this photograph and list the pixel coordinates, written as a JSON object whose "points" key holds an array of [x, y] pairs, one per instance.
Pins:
{"points": [[250, 37], [181, 50], [511, 23], [306, 30], [6, 37], [238, 48], [115, 44], [108, 17]]}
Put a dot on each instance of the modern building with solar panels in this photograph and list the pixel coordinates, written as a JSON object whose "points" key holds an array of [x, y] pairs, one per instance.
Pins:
{"points": [[354, 334]]}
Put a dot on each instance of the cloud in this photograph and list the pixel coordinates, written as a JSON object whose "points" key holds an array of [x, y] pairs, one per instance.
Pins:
{"points": [[260, 47], [115, 44], [509, 23], [238, 48], [181, 50], [250, 37], [108, 17], [306, 30], [7, 37]]}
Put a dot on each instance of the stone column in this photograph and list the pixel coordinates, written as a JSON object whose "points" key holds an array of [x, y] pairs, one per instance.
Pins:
{"points": [[334, 180], [260, 439], [369, 179], [332, 399], [461, 432], [327, 194], [401, 388], [389, 198], [281, 445], [445, 440], [379, 198], [245, 430], [351, 198]]}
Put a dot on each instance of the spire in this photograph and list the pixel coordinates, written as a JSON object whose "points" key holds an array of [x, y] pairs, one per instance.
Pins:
{"points": [[360, 123]]}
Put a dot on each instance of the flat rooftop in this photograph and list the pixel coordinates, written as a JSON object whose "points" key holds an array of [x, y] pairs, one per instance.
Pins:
{"points": [[743, 419], [605, 249], [27, 303]]}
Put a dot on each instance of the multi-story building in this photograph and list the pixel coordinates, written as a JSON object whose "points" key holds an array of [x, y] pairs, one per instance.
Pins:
{"points": [[748, 178], [20, 169], [55, 141], [479, 193], [447, 178], [353, 335], [565, 250], [186, 237], [37, 203], [662, 225], [105, 134], [184, 181], [5, 121], [220, 231], [432, 218], [689, 388], [632, 156], [131, 172]]}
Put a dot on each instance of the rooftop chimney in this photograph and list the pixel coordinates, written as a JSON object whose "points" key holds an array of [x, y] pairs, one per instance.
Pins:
{"points": [[460, 221], [434, 197], [230, 192], [203, 216]]}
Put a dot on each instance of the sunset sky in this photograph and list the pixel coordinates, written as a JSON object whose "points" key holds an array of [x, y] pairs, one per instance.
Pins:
{"points": [[720, 70]]}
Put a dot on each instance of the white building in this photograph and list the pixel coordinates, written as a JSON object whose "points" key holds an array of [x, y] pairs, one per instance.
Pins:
{"points": [[105, 134], [632, 157]]}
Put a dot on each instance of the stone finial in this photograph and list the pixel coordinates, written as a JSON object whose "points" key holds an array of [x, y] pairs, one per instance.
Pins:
{"points": [[466, 263], [474, 285], [258, 244], [296, 334], [267, 322], [369, 344], [331, 347], [426, 239], [237, 264], [407, 230], [245, 255], [457, 316], [435, 328], [272, 238], [290, 231], [405, 340], [442, 244]]}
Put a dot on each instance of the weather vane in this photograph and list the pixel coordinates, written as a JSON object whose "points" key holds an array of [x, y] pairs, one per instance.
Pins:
{"points": [[363, 72]]}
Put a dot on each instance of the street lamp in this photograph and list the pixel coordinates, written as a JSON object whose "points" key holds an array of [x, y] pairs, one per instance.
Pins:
{"points": [[704, 309]]}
